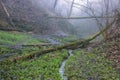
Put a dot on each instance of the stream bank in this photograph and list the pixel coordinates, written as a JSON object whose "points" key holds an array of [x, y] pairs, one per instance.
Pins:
{"points": [[62, 68]]}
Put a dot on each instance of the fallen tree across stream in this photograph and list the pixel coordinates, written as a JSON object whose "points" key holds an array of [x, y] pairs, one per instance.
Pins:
{"points": [[38, 45], [72, 45]]}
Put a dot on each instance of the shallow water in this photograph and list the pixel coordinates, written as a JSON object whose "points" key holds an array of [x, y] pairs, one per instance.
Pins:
{"points": [[62, 68]]}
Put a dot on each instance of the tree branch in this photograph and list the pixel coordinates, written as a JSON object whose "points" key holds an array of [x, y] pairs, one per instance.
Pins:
{"points": [[91, 17]]}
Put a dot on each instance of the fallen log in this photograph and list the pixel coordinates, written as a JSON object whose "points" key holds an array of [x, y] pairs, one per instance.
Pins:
{"points": [[92, 17], [37, 45], [6, 29], [38, 53], [66, 46]]}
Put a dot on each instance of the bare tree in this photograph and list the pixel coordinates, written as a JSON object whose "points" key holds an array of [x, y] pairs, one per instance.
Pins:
{"points": [[7, 14], [71, 8], [55, 3], [105, 12], [103, 15]]}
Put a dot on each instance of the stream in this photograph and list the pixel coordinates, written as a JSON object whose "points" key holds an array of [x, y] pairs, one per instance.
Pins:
{"points": [[51, 40], [18, 45], [62, 68]]}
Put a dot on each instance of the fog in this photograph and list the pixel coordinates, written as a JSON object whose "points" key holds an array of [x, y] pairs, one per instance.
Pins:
{"points": [[84, 27]]}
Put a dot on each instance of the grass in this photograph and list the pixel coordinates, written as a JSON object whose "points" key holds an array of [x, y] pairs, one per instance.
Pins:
{"points": [[36, 41], [11, 37], [90, 66], [66, 39], [46, 66], [4, 50]]}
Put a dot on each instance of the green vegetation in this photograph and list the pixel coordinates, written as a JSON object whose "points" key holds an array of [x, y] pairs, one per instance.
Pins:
{"points": [[10, 40], [16, 37], [83, 65], [36, 41], [90, 66], [4, 50], [66, 39], [69, 38], [46, 66], [11, 37]]}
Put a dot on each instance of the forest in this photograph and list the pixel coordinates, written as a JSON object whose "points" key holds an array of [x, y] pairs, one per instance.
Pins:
{"points": [[59, 39]]}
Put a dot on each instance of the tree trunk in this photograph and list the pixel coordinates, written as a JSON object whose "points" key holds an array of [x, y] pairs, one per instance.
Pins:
{"points": [[71, 8], [7, 13], [55, 4]]}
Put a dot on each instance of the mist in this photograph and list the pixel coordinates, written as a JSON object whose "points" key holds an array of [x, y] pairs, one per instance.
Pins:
{"points": [[84, 27]]}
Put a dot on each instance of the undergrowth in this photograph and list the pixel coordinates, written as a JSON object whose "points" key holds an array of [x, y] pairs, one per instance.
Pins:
{"points": [[66, 39], [11, 37], [90, 66], [4, 50], [45, 67]]}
